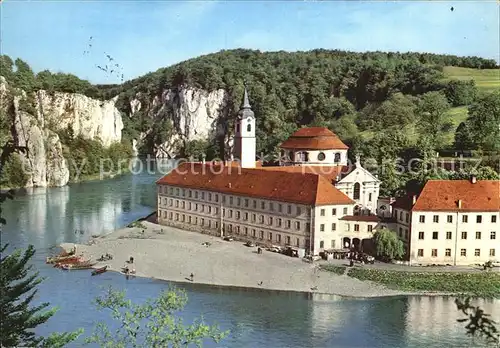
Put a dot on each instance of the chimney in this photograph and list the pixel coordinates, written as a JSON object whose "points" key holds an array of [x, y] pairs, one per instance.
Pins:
{"points": [[473, 179], [459, 204], [414, 199]]}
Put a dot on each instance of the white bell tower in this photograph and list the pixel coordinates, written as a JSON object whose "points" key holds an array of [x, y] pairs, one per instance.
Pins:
{"points": [[244, 135]]}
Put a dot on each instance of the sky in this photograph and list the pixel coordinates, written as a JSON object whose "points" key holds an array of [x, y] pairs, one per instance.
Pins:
{"points": [[143, 36]]}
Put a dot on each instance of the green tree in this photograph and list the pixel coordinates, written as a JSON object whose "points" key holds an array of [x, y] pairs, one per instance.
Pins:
{"points": [[483, 121], [433, 120], [463, 138], [387, 245], [152, 324], [461, 92], [18, 317], [13, 175]]}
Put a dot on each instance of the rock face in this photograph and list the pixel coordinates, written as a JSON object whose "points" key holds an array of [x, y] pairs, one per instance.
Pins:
{"points": [[195, 115], [43, 161]]}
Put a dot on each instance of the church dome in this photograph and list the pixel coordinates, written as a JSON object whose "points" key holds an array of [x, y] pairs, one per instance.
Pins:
{"points": [[314, 138]]}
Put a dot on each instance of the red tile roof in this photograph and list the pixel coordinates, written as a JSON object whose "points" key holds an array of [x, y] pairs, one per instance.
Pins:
{"points": [[364, 218], [310, 189], [314, 138], [329, 172], [443, 195]]}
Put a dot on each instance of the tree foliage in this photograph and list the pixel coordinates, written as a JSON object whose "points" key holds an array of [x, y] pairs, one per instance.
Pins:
{"points": [[387, 245], [152, 324], [461, 92], [478, 323]]}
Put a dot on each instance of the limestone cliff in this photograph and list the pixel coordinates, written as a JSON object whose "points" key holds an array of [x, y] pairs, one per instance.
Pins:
{"points": [[195, 114], [35, 120]]}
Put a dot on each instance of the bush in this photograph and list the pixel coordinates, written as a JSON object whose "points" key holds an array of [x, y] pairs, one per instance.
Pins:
{"points": [[461, 93], [13, 174]]}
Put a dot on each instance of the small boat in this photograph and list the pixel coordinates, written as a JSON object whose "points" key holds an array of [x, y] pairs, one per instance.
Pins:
{"points": [[70, 261], [63, 259], [99, 270], [77, 266]]}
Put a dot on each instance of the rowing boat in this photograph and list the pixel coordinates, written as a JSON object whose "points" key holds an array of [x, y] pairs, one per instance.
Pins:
{"points": [[99, 270]]}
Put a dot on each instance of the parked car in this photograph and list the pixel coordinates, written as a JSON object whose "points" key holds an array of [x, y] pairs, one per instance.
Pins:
{"points": [[228, 238], [275, 249], [368, 259], [249, 244]]}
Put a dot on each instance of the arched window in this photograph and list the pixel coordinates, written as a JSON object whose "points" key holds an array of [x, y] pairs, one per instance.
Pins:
{"points": [[357, 189], [249, 127], [337, 157]]}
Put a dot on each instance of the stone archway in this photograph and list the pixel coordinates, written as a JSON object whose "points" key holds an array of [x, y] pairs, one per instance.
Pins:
{"points": [[356, 244], [346, 242]]}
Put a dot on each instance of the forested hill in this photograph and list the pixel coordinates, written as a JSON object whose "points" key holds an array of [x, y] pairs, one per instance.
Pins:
{"points": [[381, 104]]}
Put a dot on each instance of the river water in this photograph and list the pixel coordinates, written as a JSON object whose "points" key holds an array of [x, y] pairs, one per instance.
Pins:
{"points": [[47, 217]]}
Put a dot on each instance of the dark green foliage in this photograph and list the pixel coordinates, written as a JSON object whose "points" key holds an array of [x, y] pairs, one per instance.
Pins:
{"points": [[461, 92], [483, 121], [478, 322], [433, 119], [12, 173], [480, 284], [387, 245], [463, 138], [17, 291]]}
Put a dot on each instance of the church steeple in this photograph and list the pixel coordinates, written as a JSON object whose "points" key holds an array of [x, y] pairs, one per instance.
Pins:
{"points": [[244, 134]]}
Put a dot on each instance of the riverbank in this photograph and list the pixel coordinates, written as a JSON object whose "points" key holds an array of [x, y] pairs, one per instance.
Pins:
{"points": [[171, 254], [484, 284]]}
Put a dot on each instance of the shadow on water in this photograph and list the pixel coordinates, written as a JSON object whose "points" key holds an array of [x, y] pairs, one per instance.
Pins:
{"points": [[256, 318]]}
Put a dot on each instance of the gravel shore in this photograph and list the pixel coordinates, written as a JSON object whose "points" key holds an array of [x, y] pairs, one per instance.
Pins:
{"points": [[167, 253]]}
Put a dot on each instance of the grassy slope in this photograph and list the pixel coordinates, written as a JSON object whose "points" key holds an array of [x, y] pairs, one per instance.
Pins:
{"points": [[487, 81]]}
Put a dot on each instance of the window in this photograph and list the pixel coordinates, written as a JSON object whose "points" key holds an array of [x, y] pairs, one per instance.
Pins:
{"points": [[261, 219], [176, 203], [249, 127], [321, 156], [237, 229], [449, 219], [279, 222], [278, 238], [270, 236], [357, 190], [288, 223], [254, 204], [216, 197], [478, 235], [253, 233], [262, 205], [448, 235], [464, 235], [401, 215], [254, 217], [231, 200], [322, 228], [238, 201], [493, 218], [421, 218], [230, 213], [420, 235], [297, 225], [322, 212], [203, 195], [493, 235], [463, 252], [434, 253], [345, 211], [435, 218], [246, 202], [209, 209], [170, 202], [270, 221], [183, 205], [176, 191], [370, 228], [447, 252], [334, 226], [170, 215], [420, 252], [369, 197], [245, 216], [287, 240], [209, 196], [479, 219], [321, 244], [465, 218], [356, 227], [492, 252], [289, 209], [435, 235], [261, 234], [246, 231], [297, 242], [299, 211], [280, 207], [271, 206], [337, 157], [189, 206], [334, 212], [176, 216], [237, 214], [407, 218], [477, 252]]}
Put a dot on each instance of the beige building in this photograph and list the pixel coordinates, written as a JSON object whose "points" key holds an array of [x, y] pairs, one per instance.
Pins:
{"points": [[453, 222], [300, 203]]}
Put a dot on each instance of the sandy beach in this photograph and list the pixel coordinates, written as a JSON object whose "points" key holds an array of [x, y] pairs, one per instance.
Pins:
{"points": [[172, 254]]}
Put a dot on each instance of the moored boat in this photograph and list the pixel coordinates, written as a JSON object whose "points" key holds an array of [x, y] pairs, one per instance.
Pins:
{"points": [[77, 266], [99, 270], [63, 259]]}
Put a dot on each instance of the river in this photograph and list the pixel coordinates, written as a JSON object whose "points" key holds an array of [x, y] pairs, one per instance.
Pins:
{"points": [[47, 217]]}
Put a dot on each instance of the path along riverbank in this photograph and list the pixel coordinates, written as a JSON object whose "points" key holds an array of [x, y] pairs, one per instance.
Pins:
{"points": [[171, 254]]}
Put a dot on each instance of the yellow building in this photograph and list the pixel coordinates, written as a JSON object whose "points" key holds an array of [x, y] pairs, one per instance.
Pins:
{"points": [[302, 203]]}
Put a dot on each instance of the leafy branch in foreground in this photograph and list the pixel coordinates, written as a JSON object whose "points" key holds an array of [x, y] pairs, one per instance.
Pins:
{"points": [[479, 323], [152, 324]]}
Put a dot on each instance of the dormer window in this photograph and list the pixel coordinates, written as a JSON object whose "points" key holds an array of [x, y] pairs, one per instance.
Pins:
{"points": [[321, 156], [337, 157]]}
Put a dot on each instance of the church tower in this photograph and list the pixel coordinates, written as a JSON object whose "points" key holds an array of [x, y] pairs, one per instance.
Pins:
{"points": [[244, 135]]}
